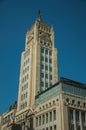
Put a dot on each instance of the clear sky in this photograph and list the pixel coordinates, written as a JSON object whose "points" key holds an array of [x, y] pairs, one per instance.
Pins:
{"points": [[68, 17]]}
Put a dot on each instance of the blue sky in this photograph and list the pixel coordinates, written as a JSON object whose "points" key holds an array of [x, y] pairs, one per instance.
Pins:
{"points": [[68, 17]]}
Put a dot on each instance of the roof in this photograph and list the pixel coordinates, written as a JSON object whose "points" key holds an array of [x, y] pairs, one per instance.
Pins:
{"points": [[65, 81]]}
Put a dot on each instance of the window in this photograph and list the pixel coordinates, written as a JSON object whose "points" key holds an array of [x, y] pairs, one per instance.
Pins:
{"points": [[72, 127], [77, 116], [46, 105], [26, 94], [83, 116], [46, 76], [46, 67], [78, 103], [67, 99], [42, 58], [46, 85], [42, 66], [50, 77], [42, 84], [50, 60], [46, 117], [50, 53], [73, 101], [71, 115], [46, 59], [46, 51], [39, 120], [49, 104], [51, 69], [43, 119], [36, 121], [42, 88], [42, 75], [42, 50], [54, 114], [54, 127], [50, 116], [50, 127]]}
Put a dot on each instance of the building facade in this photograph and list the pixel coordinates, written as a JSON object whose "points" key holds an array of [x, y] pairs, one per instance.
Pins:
{"points": [[44, 103], [6, 118], [61, 107]]}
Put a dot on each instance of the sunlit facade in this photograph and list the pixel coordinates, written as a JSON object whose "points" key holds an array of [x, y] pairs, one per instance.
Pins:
{"points": [[44, 102]]}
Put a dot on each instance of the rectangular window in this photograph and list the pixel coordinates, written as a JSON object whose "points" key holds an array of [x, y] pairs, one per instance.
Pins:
{"points": [[36, 121], [39, 120], [43, 119], [71, 115], [83, 116], [46, 51], [54, 114], [71, 126], [50, 53], [50, 60], [42, 75], [50, 127], [46, 85], [42, 84], [46, 59], [46, 117], [54, 127], [42, 50], [46, 76], [50, 77], [46, 67], [50, 116], [42, 66], [77, 116], [50, 69], [42, 58]]}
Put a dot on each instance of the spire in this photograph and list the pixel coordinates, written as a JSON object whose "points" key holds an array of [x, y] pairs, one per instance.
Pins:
{"points": [[39, 15]]}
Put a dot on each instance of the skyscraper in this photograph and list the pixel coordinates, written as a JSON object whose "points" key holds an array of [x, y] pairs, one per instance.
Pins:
{"points": [[39, 68]]}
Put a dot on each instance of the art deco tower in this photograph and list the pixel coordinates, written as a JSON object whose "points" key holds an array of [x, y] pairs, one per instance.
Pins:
{"points": [[39, 68]]}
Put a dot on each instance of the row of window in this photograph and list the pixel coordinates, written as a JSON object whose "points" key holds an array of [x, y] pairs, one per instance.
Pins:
{"points": [[21, 117], [7, 118], [46, 59], [46, 67], [23, 105], [26, 62], [46, 51], [45, 84], [26, 54], [76, 114], [73, 102], [26, 69], [24, 96], [25, 86], [48, 105], [44, 28], [46, 118], [72, 127], [46, 76], [25, 78], [47, 44], [50, 128]]}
